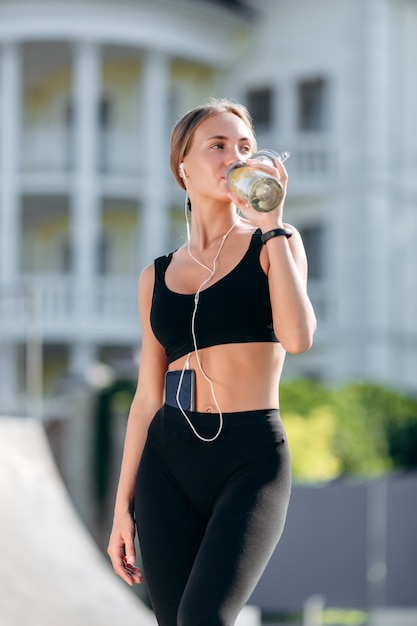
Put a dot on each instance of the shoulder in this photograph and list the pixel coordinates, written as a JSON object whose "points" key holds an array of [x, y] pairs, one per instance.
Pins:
{"points": [[295, 241], [148, 274], [146, 283], [295, 232], [247, 235]]}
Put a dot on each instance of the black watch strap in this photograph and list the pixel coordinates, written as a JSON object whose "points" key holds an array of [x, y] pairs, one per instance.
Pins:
{"points": [[276, 232]]}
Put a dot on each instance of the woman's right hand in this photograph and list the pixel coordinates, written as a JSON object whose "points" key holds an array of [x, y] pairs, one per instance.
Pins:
{"points": [[121, 549]]}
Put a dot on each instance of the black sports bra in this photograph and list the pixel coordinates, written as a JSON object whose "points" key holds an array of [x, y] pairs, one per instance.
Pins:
{"points": [[235, 309]]}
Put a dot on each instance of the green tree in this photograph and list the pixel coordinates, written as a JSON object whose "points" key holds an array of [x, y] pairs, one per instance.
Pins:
{"points": [[390, 419], [360, 442], [358, 429], [310, 443]]}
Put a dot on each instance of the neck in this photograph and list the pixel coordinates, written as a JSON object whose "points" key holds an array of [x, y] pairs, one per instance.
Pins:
{"points": [[207, 228], [212, 269]]}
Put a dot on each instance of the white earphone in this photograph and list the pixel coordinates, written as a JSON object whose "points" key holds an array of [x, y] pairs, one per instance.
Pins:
{"points": [[186, 208], [212, 271]]}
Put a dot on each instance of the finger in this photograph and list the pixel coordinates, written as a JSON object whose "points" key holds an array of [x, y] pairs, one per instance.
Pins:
{"points": [[267, 167], [236, 200], [133, 572], [117, 556], [246, 209], [121, 570], [277, 170], [129, 549], [283, 174]]}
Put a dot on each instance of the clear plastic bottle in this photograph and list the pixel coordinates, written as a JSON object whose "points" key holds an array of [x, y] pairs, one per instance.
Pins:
{"points": [[259, 189]]}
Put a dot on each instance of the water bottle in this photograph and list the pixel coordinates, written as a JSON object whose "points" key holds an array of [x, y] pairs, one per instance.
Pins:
{"points": [[259, 189]]}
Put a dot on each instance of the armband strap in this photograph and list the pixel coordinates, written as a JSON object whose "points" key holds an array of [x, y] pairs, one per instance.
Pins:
{"points": [[276, 232]]}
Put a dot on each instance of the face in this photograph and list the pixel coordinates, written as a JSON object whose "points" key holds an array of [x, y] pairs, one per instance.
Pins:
{"points": [[218, 141]]}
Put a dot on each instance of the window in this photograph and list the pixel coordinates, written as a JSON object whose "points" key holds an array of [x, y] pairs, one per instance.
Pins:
{"points": [[67, 256], [313, 238], [69, 114], [104, 120], [260, 105], [104, 113], [69, 136], [103, 260], [312, 104]]}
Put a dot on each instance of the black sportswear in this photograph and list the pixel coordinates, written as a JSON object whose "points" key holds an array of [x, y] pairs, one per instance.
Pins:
{"points": [[210, 515], [234, 309]]}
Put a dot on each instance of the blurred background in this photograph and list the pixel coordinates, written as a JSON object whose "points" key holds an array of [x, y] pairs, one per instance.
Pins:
{"points": [[89, 92]]}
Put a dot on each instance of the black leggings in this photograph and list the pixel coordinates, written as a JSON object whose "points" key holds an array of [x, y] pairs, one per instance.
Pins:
{"points": [[209, 515]]}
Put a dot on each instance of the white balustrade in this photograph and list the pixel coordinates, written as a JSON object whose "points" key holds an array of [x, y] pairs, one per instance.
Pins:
{"points": [[48, 149], [113, 308], [313, 155]]}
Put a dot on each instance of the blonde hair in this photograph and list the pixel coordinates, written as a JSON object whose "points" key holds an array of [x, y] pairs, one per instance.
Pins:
{"points": [[183, 132]]}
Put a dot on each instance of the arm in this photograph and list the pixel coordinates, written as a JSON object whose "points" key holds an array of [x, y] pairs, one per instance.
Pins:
{"points": [[293, 315], [285, 262], [147, 400]]}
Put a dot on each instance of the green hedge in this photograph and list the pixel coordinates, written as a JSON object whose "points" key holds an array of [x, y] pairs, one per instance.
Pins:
{"points": [[359, 429]]}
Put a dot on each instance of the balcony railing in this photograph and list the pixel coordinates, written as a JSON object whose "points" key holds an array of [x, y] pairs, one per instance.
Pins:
{"points": [[314, 159], [108, 312], [48, 149]]}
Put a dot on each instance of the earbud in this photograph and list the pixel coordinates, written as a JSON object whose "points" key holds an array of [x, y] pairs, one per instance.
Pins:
{"points": [[182, 170]]}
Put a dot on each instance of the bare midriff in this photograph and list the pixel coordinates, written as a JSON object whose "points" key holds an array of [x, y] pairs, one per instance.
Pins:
{"points": [[245, 376]]}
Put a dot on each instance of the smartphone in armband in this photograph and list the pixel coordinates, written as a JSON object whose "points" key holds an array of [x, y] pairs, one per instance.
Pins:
{"points": [[187, 391]]}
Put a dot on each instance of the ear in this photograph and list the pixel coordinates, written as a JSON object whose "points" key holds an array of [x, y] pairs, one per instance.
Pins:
{"points": [[182, 170]]}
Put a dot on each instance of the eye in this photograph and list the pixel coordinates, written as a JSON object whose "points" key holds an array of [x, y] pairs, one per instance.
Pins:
{"points": [[246, 149], [218, 146]]}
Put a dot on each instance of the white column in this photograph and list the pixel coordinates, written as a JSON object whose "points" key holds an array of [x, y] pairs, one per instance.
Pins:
{"points": [[10, 107], [85, 219], [154, 195], [377, 218], [8, 376], [364, 222], [10, 118]]}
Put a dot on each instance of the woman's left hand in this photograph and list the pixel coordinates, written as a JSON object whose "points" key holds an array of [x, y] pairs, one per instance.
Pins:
{"points": [[270, 219]]}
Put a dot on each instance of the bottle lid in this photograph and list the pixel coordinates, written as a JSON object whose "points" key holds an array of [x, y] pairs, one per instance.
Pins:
{"points": [[271, 155]]}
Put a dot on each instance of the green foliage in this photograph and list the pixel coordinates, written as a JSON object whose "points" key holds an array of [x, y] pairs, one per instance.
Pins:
{"points": [[311, 444], [330, 617], [359, 429], [361, 442], [344, 617], [302, 396]]}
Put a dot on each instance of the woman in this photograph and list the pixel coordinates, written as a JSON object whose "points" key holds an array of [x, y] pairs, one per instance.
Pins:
{"points": [[208, 488]]}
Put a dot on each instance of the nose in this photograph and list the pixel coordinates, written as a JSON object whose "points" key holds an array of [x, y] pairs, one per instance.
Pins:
{"points": [[232, 155]]}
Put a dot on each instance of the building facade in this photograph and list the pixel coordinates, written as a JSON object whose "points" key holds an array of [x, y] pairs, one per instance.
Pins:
{"points": [[342, 94], [88, 94]]}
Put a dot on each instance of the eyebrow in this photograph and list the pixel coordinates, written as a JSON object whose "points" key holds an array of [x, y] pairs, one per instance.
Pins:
{"points": [[224, 138]]}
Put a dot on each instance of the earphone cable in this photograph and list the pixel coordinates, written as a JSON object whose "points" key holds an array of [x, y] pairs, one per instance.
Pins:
{"points": [[194, 337]]}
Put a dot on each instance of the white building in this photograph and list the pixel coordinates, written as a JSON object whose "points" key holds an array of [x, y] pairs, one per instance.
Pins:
{"points": [[88, 94], [345, 94]]}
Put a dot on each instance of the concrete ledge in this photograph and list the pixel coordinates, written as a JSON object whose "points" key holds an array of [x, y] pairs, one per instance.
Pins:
{"points": [[51, 572]]}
